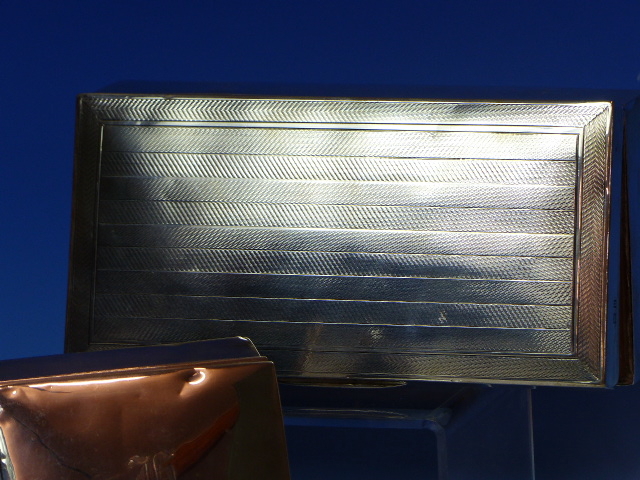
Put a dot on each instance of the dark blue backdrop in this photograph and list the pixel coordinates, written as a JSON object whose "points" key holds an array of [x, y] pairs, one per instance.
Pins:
{"points": [[52, 51]]}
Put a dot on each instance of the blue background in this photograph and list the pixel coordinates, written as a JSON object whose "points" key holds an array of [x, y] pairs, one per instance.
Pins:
{"points": [[52, 51]]}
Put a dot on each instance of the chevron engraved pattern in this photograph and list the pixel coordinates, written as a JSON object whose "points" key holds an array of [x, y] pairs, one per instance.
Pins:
{"points": [[338, 141], [177, 108], [301, 167], [392, 231], [592, 287]]}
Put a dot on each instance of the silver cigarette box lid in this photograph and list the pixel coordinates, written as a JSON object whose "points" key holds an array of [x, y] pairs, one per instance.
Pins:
{"points": [[350, 239]]}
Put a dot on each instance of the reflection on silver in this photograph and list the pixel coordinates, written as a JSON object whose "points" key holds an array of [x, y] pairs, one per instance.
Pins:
{"points": [[458, 236], [373, 142]]}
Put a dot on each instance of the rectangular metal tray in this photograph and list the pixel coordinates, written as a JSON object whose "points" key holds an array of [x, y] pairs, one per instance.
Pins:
{"points": [[460, 241]]}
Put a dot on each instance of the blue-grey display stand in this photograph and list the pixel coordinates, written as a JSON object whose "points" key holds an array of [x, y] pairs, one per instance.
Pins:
{"points": [[464, 432]]}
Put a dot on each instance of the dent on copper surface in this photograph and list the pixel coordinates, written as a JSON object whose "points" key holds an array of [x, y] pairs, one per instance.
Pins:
{"points": [[163, 426]]}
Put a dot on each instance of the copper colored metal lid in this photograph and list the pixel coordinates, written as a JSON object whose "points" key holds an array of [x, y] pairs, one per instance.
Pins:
{"points": [[216, 418]]}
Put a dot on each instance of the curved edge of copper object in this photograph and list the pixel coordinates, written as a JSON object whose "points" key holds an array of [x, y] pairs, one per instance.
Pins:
{"points": [[42, 412]]}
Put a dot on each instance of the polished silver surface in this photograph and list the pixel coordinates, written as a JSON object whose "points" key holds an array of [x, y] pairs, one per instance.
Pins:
{"points": [[349, 239]]}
